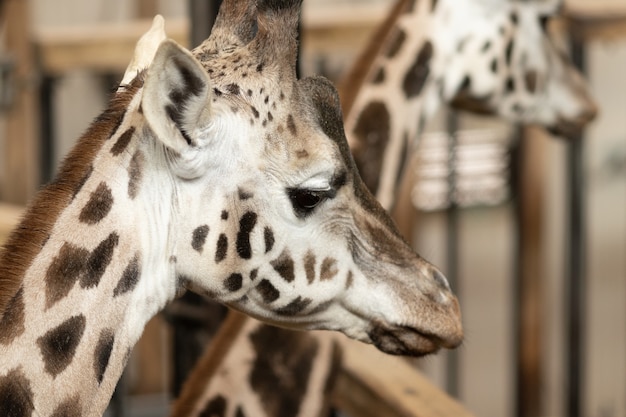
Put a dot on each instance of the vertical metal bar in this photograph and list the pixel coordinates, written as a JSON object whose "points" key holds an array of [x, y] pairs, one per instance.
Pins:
{"points": [[575, 269], [452, 242]]}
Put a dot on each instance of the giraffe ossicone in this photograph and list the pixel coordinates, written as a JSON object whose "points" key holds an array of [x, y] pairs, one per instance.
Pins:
{"points": [[214, 170]]}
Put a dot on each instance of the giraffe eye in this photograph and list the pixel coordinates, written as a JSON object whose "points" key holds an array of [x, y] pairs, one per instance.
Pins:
{"points": [[305, 200]]}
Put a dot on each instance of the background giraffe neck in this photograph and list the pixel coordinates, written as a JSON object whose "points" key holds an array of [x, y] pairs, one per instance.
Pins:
{"points": [[385, 96], [379, 44], [67, 331]]}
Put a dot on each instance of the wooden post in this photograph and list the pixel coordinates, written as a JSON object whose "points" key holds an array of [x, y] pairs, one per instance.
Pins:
{"points": [[528, 277], [20, 178], [146, 8]]}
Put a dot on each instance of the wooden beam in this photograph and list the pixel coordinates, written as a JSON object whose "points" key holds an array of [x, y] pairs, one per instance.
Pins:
{"points": [[20, 178], [373, 384], [104, 48], [596, 20], [146, 9]]}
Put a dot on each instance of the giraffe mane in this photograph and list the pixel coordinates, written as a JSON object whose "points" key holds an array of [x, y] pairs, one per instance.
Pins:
{"points": [[28, 238]]}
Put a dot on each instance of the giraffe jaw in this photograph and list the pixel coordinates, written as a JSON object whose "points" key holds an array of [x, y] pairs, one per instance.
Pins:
{"points": [[409, 341]]}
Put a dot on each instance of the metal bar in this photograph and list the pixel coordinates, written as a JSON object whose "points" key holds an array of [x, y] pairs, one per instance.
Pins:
{"points": [[452, 243], [575, 270]]}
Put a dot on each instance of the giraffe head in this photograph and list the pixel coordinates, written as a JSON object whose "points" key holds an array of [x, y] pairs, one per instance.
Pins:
{"points": [[269, 214], [497, 57]]}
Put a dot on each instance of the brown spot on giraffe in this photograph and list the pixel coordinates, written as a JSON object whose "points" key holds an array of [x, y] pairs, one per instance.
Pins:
{"points": [[372, 131], [234, 282], [68, 408], [329, 269], [416, 76], [98, 206], [267, 291], [215, 408], [268, 236], [494, 66], [397, 40], [221, 249], [510, 85], [379, 76], [233, 89], [135, 174], [64, 271], [122, 142], [284, 266], [59, 344], [508, 53], [130, 277], [16, 396], [295, 307], [530, 81], [244, 194], [349, 280], [291, 125], [98, 261], [246, 225], [12, 322], [199, 236], [309, 266], [102, 353], [282, 368]]}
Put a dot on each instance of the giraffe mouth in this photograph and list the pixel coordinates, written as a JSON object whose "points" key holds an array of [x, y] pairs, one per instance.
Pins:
{"points": [[409, 341]]}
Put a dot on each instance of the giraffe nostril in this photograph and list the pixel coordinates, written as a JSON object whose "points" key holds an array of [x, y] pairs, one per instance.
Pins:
{"points": [[441, 280]]}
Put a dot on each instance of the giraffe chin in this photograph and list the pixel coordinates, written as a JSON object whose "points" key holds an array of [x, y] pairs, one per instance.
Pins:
{"points": [[406, 341]]}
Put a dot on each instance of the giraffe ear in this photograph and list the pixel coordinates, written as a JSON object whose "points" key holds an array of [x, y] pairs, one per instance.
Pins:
{"points": [[176, 97]]}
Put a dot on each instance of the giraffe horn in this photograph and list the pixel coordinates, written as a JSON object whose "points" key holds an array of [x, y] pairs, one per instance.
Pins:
{"points": [[277, 37], [235, 26]]}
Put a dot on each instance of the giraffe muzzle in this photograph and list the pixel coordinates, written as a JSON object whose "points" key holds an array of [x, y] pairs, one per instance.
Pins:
{"points": [[410, 341]]}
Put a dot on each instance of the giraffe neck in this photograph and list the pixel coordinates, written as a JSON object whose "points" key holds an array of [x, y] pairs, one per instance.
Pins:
{"points": [[81, 302], [255, 369], [385, 98]]}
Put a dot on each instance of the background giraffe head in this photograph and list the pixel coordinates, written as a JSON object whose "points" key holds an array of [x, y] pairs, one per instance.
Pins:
{"points": [[269, 213], [496, 56]]}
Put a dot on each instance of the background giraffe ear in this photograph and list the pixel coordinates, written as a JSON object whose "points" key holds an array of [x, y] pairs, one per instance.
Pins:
{"points": [[176, 97]]}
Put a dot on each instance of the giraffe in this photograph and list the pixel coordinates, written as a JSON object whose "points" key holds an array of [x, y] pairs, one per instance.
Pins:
{"points": [[485, 57], [217, 171], [488, 56]]}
